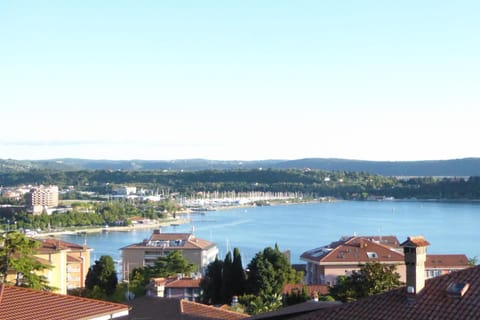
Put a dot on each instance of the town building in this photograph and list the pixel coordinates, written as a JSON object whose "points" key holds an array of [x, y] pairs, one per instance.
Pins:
{"points": [[342, 257], [175, 287], [440, 264], [25, 304], [69, 261], [197, 251], [326, 263], [41, 198], [455, 295]]}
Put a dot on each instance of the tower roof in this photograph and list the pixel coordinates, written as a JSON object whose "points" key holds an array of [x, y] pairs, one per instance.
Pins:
{"points": [[415, 241]]}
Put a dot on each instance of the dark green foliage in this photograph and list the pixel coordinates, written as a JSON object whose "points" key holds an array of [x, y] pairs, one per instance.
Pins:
{"points": [[102, 276], [172, 264], [227, 277], [311, 183], [165, 266], [224, 279], [237, 274], [372, 278], [269, 271], [212, 283], [297, 296], [17, 256]]}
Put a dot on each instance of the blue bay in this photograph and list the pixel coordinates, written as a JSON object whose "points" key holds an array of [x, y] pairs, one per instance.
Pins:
{"points": [[449, 227]]}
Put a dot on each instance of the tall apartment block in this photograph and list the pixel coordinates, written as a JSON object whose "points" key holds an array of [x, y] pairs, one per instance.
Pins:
{"points": [[40, 198]]}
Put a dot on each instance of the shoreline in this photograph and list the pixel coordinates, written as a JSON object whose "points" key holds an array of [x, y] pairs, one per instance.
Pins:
{"points": [[84, 230]]}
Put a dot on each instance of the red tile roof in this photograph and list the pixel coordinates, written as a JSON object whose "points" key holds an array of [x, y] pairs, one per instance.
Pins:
{"points": [[446, 261], [183, 241], [183, 283], [415, 241], [52, 245], [21, 303], [433, 302], [356, 250], [198, 310], [174, 282], [173, 308]]}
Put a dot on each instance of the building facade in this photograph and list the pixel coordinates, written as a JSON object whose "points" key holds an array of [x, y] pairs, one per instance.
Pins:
{"points": [[197, 251], [40, 198], [69, 261], [342, 257]]}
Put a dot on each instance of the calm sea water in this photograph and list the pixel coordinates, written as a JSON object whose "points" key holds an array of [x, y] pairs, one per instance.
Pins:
{"points": [[449, 227]]}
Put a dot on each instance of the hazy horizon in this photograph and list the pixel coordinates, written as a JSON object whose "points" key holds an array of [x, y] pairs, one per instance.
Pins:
{"points": [[122, 80]]}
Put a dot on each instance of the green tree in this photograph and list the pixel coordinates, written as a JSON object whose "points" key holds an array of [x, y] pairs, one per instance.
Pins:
{"points": [[102, 276], [473, 261], [212, 283], [171, 264], [17, 256], [372, 278], [237, 274], [267, 273], [227, 278]]}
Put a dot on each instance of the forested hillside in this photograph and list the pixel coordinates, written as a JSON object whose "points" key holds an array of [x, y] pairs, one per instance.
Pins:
{"points": [[311, 183], [440, 168]]}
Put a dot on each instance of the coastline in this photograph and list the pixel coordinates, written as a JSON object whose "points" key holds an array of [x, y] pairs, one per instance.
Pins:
{"points": [[139, 226]]}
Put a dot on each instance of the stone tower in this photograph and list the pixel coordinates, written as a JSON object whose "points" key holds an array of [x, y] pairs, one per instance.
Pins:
{"points": [[415, 250]]}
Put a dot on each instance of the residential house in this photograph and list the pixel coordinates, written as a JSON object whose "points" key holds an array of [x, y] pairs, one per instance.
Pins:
{"points": [[197, 251], [175, 287], [326, 263], [455, 295], [25, 304], [440, 264]]}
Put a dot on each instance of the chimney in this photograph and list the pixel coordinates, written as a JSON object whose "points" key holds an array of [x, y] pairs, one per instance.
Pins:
{"points": [[415, 251]]}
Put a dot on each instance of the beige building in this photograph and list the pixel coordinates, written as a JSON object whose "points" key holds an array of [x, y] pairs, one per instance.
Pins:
{"points": [[197, 251], [326, 263], [40, 198], [339, 258], [70, 263]]}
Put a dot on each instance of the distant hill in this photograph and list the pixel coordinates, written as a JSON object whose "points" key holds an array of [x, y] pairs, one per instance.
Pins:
{"points": [[454, 167]]}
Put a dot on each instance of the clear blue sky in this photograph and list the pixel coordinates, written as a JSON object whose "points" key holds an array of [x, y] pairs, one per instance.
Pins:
{"points": [[371, 80]]}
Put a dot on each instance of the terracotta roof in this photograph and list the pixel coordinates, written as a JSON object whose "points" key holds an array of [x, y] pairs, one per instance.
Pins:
{"points": [[173, 309], [174, 282], [311, 288], [183, 283], [184, 241], [21, 303], [52, 245], [433, 302], [415, 241], [355, 250], [198, 311], [445, 261]]}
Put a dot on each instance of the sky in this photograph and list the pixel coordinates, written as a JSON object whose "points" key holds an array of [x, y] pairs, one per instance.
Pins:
{"points": [[239, 80]]}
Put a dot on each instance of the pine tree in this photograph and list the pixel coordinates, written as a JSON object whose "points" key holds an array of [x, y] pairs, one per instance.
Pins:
{"points": [[227, 278], [212, 283], [238, 274]]}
